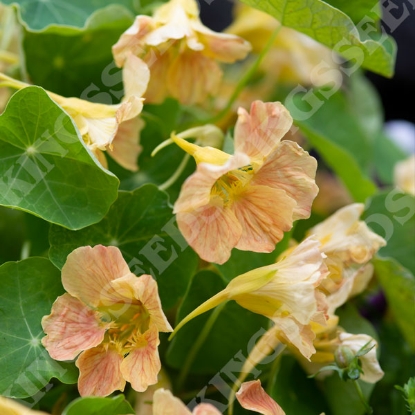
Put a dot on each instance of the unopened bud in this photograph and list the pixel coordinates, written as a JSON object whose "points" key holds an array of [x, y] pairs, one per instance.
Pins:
{"points": [[343, 356]]}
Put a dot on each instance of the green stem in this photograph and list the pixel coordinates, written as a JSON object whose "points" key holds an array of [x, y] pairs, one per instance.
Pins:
{"points": [[275, 369], [10, 82], [243, 81], [176, 175], [368, 408], [198, 344], [8, 57]]}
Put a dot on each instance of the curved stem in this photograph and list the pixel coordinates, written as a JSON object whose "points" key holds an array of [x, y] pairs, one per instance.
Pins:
{"points": [[176, 174], [10, 82], [368, 408], [8, 57], [274, 370], [198, 344]]}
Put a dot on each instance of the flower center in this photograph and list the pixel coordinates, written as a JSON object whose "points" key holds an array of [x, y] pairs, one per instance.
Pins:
{"points": [[128, 322], [232, 183]]}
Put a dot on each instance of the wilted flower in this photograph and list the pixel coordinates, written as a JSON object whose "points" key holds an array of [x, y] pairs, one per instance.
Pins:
{"points": [[180, 51], [252, 396], [284, 292], [165, 403], [246, 201], [404, 175], [109, 316]]}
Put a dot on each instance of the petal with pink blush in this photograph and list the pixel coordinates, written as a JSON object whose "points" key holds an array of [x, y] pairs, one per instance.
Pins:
{"points": [[252, 396], [71, 328], [145, 290], [99, 372], [125, 148], [264, 214], [142, 365], [211, 230], [88, 272], [292, 169], [257, 134], [164, 403]]}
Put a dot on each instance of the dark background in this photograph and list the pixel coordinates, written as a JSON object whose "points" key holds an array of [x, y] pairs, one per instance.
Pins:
{"points": [[398, 93]]}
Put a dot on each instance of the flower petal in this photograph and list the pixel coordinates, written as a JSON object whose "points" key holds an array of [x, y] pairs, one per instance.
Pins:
{"points": [[257, 134], [211, 230], [125, 148], [88, 271], [264, 214], [71, 328], [252, 396], [144, 289], [206, 409], [164, 403], [192, 77], [224, 47], [132, 39], [344, 236], [136, 76], [291, 332], [11, 407], [99, 371], [292, 169], [142, 365]]}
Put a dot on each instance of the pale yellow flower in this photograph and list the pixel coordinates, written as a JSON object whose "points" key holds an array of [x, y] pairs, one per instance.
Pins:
{"points": [[181, 52], [404, 175], [285, 292]]}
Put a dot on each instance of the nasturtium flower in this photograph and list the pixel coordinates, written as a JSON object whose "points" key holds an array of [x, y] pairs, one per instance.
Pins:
{"points": [[246, 200], [404, 175], [252, 396], [285, 292], [181, 52], [110, 318], [164, 403]]}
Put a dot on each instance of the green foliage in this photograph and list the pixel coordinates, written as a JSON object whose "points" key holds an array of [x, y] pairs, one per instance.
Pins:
{"points": [[38, 14], [28, 289], [78, 61], [391, 215], [93, 405], [409, 394], [234, 328], [333, 28], [399, 287], [45, 168], [141, 224]]}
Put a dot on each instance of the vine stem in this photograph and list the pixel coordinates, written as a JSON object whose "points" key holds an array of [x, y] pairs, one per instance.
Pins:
{"points": [[198, 344], [368, 408], [176, 174]]}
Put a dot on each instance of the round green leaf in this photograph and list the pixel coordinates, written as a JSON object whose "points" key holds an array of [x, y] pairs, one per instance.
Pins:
{"points": [[335, 29], [38, 14], [78, 61], [94, 405], [45, 168], [28, 289], [142, 226]]}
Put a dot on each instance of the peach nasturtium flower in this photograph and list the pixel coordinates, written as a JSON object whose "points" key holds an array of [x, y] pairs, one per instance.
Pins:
{"points": [[181, 52], [246, 200], [11, 407], [110, 318], [285, 292], [252, 396], [164, 403]]}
